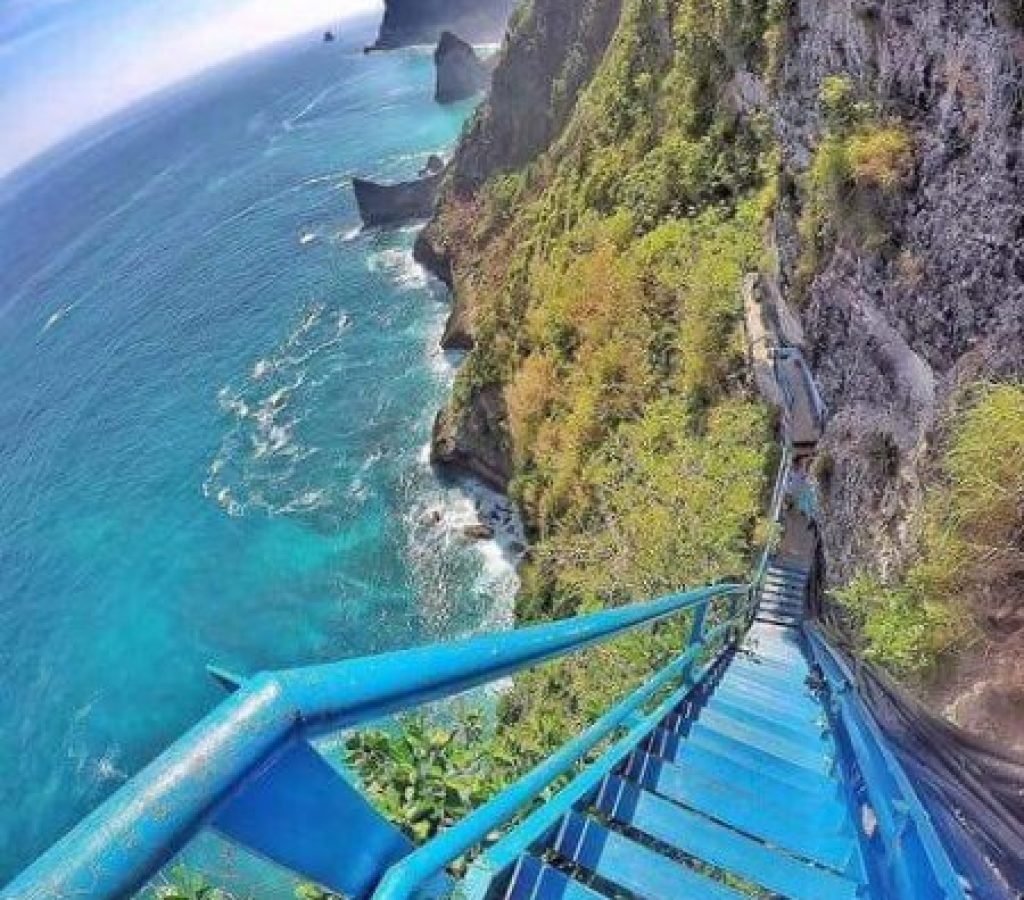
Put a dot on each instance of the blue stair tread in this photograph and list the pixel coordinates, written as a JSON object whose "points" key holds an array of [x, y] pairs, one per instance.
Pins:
{"points": [[726, 728], [778, 641], [768, 666], [534, 880], [816, 756], [799, 701], [792, 711], [743, 678], [722, 847], [768, 656], [824, 835], [780, 604], [631, 865], [787, 598], [817, 800], [779, 679], [702, 736], [772, 619], [799, 732]]}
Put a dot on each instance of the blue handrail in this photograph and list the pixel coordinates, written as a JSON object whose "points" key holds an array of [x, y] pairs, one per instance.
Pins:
{"points": [[117, 848], [430, 859]]}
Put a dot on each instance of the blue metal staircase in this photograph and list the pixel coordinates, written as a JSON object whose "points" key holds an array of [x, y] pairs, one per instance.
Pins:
{"points": [[748, 766], [738, 788]]}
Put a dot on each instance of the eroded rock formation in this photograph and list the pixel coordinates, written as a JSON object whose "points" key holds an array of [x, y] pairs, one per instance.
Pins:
{"points": [[408, 22], [460, 73]]}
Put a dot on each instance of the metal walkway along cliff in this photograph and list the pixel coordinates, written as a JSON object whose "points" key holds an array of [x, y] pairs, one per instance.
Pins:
{"points": [[747, 766]]}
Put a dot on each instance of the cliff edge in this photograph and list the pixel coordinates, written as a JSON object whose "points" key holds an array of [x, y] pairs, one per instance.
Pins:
{"points": [[410, 22]]}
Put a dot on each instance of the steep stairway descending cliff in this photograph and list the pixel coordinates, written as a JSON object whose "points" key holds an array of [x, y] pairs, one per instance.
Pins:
{"points": [[740, 788]]}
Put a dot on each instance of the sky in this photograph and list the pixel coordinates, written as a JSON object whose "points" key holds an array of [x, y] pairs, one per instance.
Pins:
{"points": [[67, 63]]}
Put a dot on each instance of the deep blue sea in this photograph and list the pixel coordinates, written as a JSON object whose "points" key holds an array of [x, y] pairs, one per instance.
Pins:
{"points": [[215, 397]]}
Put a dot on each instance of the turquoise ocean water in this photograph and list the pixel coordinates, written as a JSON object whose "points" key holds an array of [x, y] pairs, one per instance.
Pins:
{"points": [[215, 395]]}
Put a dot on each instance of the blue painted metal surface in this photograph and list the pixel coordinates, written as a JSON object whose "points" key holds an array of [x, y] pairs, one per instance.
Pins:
{"points": [[115, 850]]}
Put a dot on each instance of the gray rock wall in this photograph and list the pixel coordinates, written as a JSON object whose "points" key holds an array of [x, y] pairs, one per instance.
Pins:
{"points": [[891, 333]]}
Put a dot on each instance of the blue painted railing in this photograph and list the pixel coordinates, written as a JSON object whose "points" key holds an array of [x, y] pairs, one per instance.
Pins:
{"points": [[904, 844], [248, 771]]}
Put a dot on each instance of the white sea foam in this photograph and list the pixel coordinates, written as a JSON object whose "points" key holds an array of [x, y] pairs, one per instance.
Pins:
{"points": [[400, 267], [307, 237], [261, 369]]}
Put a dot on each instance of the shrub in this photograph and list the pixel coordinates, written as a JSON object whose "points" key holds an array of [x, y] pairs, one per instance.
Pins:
{"points": [[970, 538], [855, 170], [881, 157], [900, 629]]}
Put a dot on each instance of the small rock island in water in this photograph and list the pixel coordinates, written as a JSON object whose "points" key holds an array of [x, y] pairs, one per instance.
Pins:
{"points": [[389, 204], [460, 72]]}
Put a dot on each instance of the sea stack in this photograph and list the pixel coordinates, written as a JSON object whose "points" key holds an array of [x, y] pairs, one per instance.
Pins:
{"points": [[460, 72], [408, 22], [391, 204]]}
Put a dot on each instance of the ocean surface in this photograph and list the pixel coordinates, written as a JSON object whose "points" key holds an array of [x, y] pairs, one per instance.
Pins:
{"points": [[216, 393]]}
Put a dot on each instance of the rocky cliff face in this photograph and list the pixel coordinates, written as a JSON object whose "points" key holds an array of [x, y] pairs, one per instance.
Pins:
{"points": [[408, 22], [460, 72], [894, 326], [548, 59], [892, 332]]}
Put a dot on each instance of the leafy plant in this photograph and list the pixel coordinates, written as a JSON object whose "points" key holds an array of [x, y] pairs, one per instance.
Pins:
{"points": [[185, 884], [970, 544]]}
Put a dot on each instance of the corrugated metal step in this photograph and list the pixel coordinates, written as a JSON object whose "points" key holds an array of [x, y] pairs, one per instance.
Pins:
{"points": [[824, 843], [791, 678], [809, 758], [801, 793], [782, 769], [700, 787], [772, 619], [630, 865], [778, 705], [781, 604], [809, 733], [802, 700], [780, 663], [703, 839], [534, 880]]}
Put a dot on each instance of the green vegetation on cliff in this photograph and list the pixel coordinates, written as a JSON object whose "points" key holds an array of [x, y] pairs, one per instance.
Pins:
{"points": [[601, 284], [862, 161], [970, 550]]}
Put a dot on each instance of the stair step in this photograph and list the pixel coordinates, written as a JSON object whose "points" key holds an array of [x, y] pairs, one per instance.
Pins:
{"points": [[792, 678], [777, 638], [790, 710], [800, 701], [775, 585], [786, 574], [632, 866], [811, 734], [534, 880], [780, 604], [799, 793], [774, 656], [772, 619], [797, 833], [773, 662], [722, 847], [812, 758], [781, 664], [758, 759]]}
